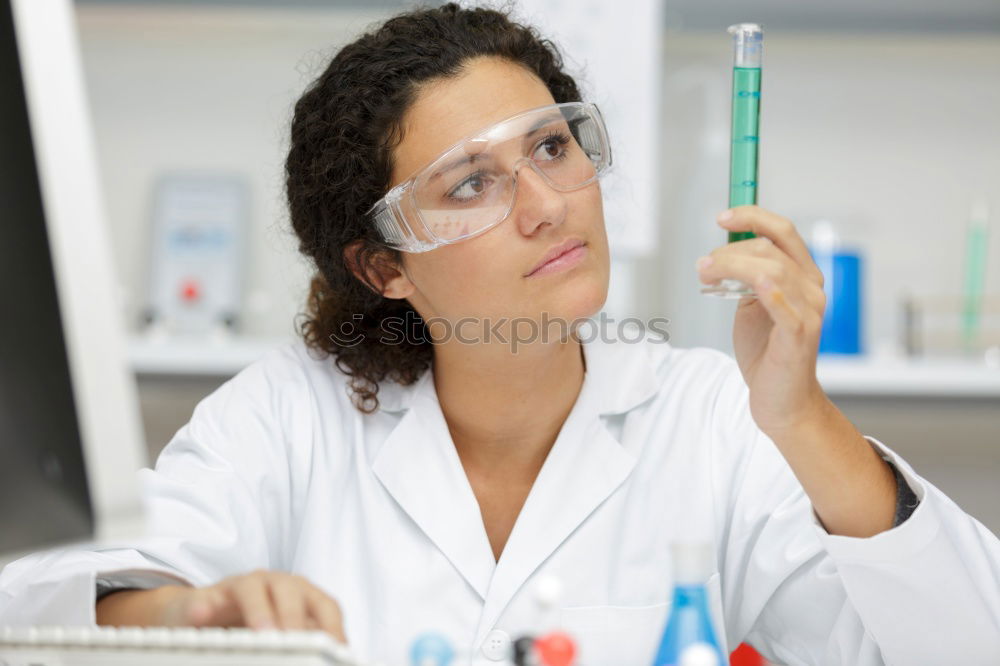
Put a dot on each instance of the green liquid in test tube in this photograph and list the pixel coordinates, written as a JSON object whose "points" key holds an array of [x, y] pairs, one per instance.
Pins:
{"points": [[748, 41], [743, 155]]}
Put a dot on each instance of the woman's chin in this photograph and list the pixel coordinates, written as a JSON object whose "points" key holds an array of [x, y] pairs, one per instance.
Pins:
{"points": [[580, 299]]}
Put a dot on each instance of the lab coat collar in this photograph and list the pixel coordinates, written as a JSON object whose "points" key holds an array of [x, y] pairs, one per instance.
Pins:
{"points": [[420, 468]]}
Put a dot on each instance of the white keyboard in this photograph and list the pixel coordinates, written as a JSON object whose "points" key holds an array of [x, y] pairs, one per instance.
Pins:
{"points": [[134, 646]]}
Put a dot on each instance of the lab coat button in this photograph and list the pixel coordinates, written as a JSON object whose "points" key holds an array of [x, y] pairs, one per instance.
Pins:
{"points": [[496, 647]]}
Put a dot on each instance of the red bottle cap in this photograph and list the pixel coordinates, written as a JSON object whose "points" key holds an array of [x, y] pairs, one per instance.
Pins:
{"points": [[556, 649]]}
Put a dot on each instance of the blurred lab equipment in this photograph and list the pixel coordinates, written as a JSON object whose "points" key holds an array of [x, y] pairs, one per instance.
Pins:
{"points": [[937, 325], [556, 649], [744, 655], [689, 626], [977, 237], [748, 44], [431, 649], [199, 229], [842, 267], [960, 323]]}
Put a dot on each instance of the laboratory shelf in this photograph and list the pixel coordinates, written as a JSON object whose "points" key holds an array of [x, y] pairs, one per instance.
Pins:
{"points": [[945, 378], [222, 357], [844, 376]]}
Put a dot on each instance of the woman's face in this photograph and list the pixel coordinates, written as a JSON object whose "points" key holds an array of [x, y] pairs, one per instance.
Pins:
{"points": [[486, 277]]}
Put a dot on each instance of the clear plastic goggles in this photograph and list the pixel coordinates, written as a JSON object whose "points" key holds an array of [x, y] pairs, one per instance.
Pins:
{"points": [[470, 188]]}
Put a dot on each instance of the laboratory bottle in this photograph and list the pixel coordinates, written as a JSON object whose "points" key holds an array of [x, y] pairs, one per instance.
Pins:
{"points": [[689, 621]]}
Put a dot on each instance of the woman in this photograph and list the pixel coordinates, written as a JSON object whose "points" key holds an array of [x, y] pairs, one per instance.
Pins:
{"points": [[444, 177]]}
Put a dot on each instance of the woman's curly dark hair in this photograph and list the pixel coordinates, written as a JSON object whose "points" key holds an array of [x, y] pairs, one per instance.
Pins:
{"points": [[344, 131]]}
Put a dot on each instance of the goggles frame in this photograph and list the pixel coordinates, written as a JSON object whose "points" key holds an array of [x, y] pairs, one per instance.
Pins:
{"points": [[397, 230]]}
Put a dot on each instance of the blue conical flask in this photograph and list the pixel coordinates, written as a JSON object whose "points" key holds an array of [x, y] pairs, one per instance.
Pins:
{"points": [[690, 622]]}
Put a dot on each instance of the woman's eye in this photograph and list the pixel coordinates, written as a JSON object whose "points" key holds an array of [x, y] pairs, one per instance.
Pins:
{"points": [[470, 188], [549, 149]]}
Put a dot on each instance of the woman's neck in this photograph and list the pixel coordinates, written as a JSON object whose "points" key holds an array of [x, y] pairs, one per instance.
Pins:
{"points": [[506, 407]]}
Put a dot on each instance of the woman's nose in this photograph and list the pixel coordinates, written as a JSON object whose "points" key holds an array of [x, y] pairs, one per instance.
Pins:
{"points": [[536, 202]]}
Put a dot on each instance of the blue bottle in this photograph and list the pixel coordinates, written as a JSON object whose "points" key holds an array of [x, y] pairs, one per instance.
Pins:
{"points": [[843, 272], [690, 623], [431, 649]]}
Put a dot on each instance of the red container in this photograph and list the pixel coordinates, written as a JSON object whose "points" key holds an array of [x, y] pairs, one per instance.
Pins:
{"points": [[745, 655]]}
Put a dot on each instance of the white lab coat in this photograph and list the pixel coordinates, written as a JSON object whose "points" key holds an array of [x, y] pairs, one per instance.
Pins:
{"points": [[276, 469]]}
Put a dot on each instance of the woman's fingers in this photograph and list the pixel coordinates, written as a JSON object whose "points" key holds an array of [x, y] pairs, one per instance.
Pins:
{"points": [[780, 230], [794, 304], [210, 607], [250, 593], [758, 258], [785, 315], [289, 596], [751, 261], [326, 612], [260, 600]]}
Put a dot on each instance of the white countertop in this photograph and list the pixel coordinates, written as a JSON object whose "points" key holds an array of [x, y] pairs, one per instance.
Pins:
{"points": [[909, 377]]}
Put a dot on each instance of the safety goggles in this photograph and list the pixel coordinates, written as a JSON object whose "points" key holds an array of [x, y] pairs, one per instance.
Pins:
{"points": [[471, 187]]}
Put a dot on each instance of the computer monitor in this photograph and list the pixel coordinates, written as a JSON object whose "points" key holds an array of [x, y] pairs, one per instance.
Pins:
{"points": [[70, 436]]}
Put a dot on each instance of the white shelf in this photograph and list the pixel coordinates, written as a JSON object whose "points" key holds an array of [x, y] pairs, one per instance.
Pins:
{"points": [[839, 376], [908, 377], [197, 357]]}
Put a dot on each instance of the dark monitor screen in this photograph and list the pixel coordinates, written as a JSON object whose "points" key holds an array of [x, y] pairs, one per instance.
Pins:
{"points": [[43, 485]]}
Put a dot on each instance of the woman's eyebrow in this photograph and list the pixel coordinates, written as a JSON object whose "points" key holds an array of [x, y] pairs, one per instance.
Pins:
{"points": [[454, 164], [542, 122], [468, 159]]}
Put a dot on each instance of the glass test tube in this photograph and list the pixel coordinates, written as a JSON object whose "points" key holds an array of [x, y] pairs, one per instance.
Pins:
{"points": [[748, 42]]}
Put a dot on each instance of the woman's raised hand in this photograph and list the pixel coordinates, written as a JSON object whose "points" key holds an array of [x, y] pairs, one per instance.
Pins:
{"points": [[776, 332]]}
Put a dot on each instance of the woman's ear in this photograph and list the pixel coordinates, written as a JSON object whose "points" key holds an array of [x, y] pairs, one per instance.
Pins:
{"points": [[383, 274]]}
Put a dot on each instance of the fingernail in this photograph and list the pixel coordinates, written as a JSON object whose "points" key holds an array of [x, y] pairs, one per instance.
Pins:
{"points": [[703, 263], [725, 215], [263, 625]]}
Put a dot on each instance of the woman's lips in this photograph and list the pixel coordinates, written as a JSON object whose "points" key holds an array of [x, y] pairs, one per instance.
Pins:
{"points": [[563, 262]]}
